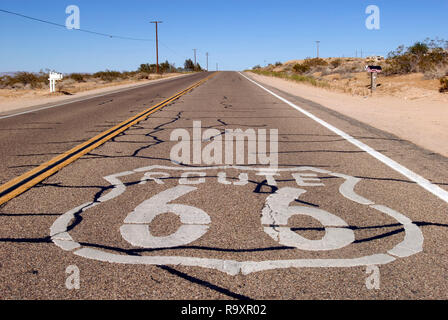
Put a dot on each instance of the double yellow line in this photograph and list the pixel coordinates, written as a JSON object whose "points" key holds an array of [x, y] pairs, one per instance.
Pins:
{"points": [[24, 182]]}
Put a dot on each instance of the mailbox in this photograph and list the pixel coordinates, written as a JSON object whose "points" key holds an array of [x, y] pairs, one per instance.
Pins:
{"points": [[374, 69], [54, 76]]}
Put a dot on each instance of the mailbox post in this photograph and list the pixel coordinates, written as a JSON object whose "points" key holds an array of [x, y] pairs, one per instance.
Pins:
{"points": [[54, 76], [373, 70]]}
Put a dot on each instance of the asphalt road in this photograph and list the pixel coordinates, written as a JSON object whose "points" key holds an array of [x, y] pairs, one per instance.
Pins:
{"points": [[332, 222], [30, 139]]}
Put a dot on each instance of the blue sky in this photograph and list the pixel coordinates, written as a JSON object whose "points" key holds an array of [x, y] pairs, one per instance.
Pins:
{"points": [[238, 34]]}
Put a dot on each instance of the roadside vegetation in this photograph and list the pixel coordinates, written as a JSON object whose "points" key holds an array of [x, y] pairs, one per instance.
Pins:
{"points": [[428, 58], [190, 66], [444, 84], [310, 70], [24, 79], [39, 80]]}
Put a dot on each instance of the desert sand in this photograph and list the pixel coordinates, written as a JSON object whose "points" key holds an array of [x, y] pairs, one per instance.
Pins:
{"points": [[422, 120]]}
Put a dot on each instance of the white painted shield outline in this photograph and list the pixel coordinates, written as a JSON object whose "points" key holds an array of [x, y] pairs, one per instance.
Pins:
{"points": [[412, 243]]}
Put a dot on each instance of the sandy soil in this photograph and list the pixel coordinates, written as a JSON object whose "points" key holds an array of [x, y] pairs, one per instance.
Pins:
{"points": [[349, 77], [422, 120], [11, 99], [409, 87]]}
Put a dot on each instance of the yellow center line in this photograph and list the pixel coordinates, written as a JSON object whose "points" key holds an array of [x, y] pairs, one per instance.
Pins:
{"points": [[18, 185]]}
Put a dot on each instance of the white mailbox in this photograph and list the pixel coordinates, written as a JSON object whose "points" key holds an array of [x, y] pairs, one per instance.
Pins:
{"points": [[54, 76]]}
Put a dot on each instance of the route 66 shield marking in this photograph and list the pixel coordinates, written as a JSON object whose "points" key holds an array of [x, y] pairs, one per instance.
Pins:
{"points": [[195, 222]]}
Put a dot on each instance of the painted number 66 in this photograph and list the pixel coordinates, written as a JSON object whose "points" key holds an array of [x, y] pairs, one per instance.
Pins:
{"points": [[195, 222]]}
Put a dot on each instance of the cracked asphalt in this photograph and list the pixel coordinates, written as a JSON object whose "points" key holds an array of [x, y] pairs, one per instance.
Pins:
{"points": [[310, 230]]}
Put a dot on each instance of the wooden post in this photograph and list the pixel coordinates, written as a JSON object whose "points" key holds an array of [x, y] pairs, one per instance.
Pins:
{"points": [[373, 81], [157, 43]]}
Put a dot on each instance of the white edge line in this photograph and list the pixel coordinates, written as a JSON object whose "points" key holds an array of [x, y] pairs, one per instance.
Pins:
{"points": [[422, 182], [93, 97]]}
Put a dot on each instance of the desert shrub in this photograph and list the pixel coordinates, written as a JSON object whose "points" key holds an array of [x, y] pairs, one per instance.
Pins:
{"points": [[18, 85], [278, 64], [310, 65], [2, 82], [108, 75], [433, 60], [25, 79], [437, 73], [301, 68], [79, 77], [189, 65], [129, 74], [336, 63], [402, 64], [143, 76], [426, 57], [444, 84], [197, 67], [166, 67], [314, 62], [147, 68], [256, 67], [419, 49]]}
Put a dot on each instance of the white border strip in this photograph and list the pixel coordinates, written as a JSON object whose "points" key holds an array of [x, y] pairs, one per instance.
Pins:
{"points": [[422, 182], [412, 243], [94, 96]]}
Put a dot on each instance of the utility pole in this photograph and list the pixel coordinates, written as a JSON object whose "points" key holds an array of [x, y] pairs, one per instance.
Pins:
{"points": [[216, 67], [206, 54], [194, 57], [317, 42], [157, 42]]}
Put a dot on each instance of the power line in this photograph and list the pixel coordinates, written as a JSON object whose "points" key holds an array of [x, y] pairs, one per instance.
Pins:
{"points": [[172, 50], [81, 30]]}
